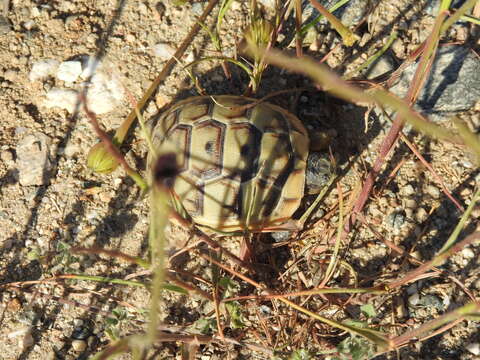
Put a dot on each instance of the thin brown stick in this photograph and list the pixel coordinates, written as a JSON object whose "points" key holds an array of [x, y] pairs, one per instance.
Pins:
{"points": [[432, 171], [431, 264]]}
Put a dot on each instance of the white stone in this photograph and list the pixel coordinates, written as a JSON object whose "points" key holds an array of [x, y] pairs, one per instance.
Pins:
{"points": [[104, 93], [163, 51], [34, 12], [408, 190], [468, 253], [69, 71], [42, 69], [414, 299], [474, 348], [33, 160], [79, 345], [62, 98]]}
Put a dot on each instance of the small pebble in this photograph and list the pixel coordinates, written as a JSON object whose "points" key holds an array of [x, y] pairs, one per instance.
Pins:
{"points": [[280, 236], [33, 159], [421, 215], [69, 71], [78, 322], [410, 204], [408, 190], [104, 94], [197, 8], [473, 348], [433, 191], [43, 69], [81, 333], [468, 253], [396, 219], [79, 345], [70, 150], [414, 299], [62, 98], [29, 25], [163, 51], [7, 157], [412, 289], [34, 12]]}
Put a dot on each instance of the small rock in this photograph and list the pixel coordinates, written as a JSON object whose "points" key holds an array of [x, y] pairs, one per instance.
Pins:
{"points": [[69, 71], [421, 215], [163, 51], [414, 299], [280, 236], [396, 219], [431, 301], [7, 157], [34, 12], [381, 66], [468, 253], [70, 150], [197, 8], [81, 333], [433, 191], [410, 204], [29, 25], [79, 345], [473, 348], [78, 322], [43, 69], [11, 75], [33, 160], [453, 83], [412, 289], [408, 190], [62, 98], [353, 12], [105, 93]]}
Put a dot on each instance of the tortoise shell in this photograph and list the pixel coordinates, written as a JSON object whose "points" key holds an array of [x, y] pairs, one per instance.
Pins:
{"points": [[241, 165]]}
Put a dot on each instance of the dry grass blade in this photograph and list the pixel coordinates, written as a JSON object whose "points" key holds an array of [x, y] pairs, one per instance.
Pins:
{"points": [[460, 313], [374, 336], [438, 260]]}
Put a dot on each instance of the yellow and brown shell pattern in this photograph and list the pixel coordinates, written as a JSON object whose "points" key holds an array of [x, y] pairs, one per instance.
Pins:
{"points": [[240, 167]]}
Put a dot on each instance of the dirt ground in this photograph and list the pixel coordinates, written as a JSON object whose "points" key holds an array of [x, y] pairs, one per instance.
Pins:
{"points": [[44, 316]]}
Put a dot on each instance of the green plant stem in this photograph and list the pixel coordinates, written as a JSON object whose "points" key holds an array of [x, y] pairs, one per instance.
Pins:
{"points": [[373, 58], [348, 37], [461, 224]]}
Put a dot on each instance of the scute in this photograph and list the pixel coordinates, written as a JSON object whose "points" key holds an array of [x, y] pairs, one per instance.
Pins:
{"points": [[241, 167]]}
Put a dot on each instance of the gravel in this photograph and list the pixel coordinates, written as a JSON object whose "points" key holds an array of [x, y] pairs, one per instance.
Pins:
{"points": [[33, 159]]}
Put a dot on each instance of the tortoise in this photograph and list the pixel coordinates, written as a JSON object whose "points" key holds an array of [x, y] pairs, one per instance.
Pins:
{"points": [[241, 163]]}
